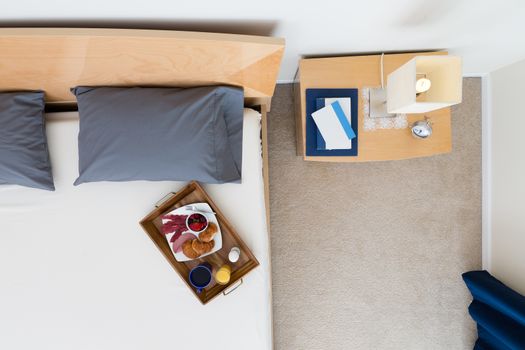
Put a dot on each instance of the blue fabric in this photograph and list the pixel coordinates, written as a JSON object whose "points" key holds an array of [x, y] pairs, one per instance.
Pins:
{"points": [[501, 328], [486, 341], [494, 293], [311, 129], [498, 310]]}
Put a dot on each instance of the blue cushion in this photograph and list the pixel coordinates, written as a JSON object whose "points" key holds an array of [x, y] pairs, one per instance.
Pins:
{"points": [[160, 134], [24, 158], [486, 341], [500, 329], [490, 291]]}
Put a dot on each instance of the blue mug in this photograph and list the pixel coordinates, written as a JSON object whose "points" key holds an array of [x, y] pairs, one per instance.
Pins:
{"points": [[200, 276]]}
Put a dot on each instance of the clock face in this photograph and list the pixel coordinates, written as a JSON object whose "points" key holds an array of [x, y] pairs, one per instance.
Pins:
{"points": [[422, 85]]}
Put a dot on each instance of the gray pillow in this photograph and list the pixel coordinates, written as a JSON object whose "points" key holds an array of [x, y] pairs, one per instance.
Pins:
{"points": [[160, 134], [24, 159]]}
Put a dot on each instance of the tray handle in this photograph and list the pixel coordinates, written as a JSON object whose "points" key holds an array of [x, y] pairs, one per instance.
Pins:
{"points": [[165, 199], [232, 287]]}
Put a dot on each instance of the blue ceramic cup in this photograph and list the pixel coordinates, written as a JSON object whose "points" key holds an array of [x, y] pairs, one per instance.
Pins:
{"points": [[200, 276]]}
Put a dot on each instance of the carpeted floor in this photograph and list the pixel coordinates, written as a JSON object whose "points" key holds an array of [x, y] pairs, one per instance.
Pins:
{"points": [[370, 256]]}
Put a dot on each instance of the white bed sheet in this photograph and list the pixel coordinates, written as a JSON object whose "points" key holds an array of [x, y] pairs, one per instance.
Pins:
{"points": [[77, 271]]}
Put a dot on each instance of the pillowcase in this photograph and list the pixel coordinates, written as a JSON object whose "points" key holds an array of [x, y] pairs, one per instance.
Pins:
{"points": [[159, 134], [24, 158]]}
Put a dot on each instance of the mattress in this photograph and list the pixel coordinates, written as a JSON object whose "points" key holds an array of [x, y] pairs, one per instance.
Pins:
{"points": [[77, 271]]}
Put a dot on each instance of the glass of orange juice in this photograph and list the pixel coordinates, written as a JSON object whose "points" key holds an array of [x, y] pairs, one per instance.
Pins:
{"points": [[223, 274]]}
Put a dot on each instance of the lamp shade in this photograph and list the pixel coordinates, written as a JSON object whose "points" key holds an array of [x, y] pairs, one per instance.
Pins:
{"points": [[444, 73]]}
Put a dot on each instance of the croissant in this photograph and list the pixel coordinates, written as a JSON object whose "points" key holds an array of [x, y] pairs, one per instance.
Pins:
{"points": [[202, 247], [210, 246], [208, 234], [187, 249]]}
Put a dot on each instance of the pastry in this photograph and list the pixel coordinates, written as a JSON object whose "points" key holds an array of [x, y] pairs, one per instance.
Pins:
{"points": [[202, 247], [198, 246], [187, 249], [210, 246], [208, 234]]}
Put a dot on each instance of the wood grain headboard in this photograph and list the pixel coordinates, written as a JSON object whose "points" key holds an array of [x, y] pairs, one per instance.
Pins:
{"points": [[57, 59]]}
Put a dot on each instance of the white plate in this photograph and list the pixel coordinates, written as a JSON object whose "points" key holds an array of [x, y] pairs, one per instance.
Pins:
{"points": [[203, 208]]}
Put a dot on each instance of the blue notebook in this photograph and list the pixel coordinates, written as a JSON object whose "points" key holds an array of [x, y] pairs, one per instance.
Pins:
{"points": [[315, 101]]}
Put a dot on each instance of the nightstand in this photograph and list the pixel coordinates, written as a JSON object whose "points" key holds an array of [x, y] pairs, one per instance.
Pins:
{"points": [[360, 72]]}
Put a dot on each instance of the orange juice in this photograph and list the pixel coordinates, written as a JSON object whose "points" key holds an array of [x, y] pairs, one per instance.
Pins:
{"points": [[223, 274]]}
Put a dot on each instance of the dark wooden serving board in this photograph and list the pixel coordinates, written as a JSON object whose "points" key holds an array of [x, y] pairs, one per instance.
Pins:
{"points": [[194, 193]]}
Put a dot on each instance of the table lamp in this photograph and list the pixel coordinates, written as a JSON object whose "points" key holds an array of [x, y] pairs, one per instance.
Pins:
{"points": [[423, 84]]}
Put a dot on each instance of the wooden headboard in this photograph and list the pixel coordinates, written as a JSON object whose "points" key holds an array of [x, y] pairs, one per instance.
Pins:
{"points": [[57, 59]]}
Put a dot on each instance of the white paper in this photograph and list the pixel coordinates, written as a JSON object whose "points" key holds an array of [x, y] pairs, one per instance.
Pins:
{"points": [[331, 129], [346, 105]]}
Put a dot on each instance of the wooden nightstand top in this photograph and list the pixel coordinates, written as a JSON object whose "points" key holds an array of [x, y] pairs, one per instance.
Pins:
{"points": [[364, 71]]}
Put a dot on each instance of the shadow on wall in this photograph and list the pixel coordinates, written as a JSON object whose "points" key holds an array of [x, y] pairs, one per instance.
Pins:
{"points": [[368, 53], [423, 13], [257, 27]]}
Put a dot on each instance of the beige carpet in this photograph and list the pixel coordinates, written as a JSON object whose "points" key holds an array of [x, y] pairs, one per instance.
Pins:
{"points": [[370, 256]]}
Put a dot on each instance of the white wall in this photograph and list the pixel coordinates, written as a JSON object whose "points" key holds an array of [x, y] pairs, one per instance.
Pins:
{"points": [[488, 34], [508, 175]]}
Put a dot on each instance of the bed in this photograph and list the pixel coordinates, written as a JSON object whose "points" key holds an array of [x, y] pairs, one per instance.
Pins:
{"points": [[77, 271]]}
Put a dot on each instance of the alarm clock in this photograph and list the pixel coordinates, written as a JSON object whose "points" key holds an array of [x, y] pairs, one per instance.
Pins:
{"points": [[423, 85], [422, 129]]}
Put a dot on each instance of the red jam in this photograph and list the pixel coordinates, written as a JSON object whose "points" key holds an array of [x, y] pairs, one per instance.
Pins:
{"points": [[197, 222]]}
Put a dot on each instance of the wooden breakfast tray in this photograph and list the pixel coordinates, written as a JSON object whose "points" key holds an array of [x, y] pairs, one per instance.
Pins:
{"points": [[194, 193]]}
